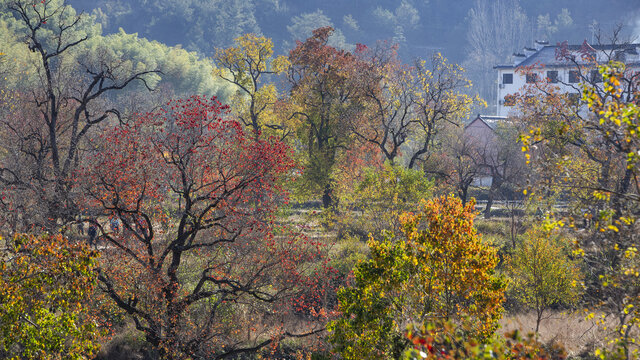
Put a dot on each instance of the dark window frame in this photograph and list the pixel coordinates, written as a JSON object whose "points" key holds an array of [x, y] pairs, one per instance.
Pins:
{"points": [[574, 76], [507, 78], [531, 78], [553, 76]]}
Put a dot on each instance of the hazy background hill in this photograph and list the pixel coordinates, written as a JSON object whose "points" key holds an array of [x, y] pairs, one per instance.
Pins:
{"points": [[475, 33], [421, 25]]}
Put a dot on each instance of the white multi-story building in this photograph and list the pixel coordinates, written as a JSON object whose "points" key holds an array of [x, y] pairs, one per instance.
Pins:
{"points": [[543, 64], [565, 74]]}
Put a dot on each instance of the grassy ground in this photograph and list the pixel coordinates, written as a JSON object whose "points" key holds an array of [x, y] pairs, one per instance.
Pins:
{"points": [[580, 337]]}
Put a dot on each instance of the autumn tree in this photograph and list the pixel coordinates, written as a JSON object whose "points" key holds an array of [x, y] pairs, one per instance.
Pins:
{"points": [[485, 155], [504, 162], [373, 204], [574, 149], [439, 100], [616, 103], [437, 269], [197, 262], [323, 99], [405, 107], [586, 152], [387, 91], [459, 161], [48, 132], [247, 65], [46, 284], [542, 272]]}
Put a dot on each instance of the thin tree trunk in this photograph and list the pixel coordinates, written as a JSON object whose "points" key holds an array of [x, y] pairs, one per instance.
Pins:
{"points": [[513, 226], [495, 185]]}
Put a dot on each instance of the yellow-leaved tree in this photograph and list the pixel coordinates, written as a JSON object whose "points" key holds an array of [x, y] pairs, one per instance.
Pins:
{"points": [[46, 288], [439, 269], [440, 99], [542, 272], [247, 65]]}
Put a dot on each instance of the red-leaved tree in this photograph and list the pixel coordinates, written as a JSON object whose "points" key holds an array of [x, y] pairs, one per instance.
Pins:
{"points": [[186, 221]]}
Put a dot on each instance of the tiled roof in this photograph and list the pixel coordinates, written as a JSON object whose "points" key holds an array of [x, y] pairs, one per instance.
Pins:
{"points": [[490, 120], [547, 55]]}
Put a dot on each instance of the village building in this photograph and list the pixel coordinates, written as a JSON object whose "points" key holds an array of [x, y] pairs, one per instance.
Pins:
{"points": [[543, 64], [548, 66], [481, 132]]}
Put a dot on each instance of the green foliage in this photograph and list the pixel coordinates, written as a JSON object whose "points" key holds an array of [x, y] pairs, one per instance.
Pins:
{"points": [[380, 197], [187, 73], [15, 58], [347, 253], [318, 176], [401, 186], [195, 24], [48, 17], [439, 268], [45, 284], [23, 69], [542, 273]]}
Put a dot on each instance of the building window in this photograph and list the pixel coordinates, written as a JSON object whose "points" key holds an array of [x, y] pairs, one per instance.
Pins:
{"points": [[595, 77], [552, 76], [574, 76], [507, 78], [531, 78]]}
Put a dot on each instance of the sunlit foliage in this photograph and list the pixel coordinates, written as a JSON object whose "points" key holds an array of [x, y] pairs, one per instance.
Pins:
{"points": [[437, 269], [46, 284]]}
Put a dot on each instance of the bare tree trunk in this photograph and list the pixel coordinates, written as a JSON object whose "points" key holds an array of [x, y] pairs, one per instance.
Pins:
{"points": [[327, 197], [495, 186], [513, 227]]}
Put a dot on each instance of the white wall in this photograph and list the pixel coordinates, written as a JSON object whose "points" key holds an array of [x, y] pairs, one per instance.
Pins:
{"points": [[519, 81]]}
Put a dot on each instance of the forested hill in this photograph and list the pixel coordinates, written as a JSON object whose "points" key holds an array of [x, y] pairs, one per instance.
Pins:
{"points": [[421, 26]]}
